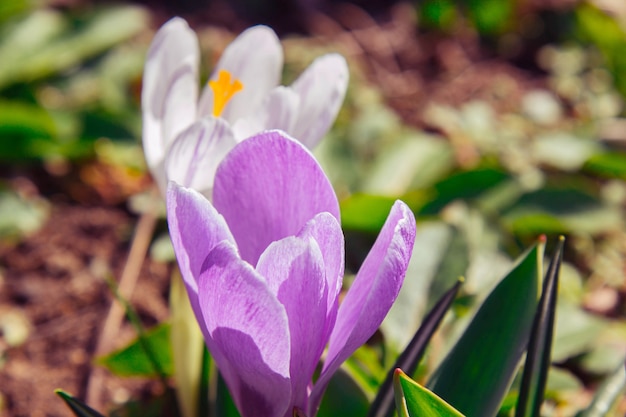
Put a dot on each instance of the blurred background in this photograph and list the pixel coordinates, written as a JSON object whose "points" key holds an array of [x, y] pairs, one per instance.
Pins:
{"points": [[495, 120]]}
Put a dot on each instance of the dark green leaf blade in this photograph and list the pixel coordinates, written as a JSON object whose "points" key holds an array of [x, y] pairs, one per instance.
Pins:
{"points": [[224, 404], [383, 405], [540, 345], [343, 397], [78, 407], [466, 185], [413, 400], [205, 383], [476, 373]]}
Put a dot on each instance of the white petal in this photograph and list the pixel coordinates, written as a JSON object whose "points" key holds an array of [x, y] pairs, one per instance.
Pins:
{"points": [[193, 158], [256, 59], [322, 88], [169, 92], [278, 111]]}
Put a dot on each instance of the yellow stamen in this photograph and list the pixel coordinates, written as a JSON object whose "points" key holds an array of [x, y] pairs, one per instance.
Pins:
{"points": [[223, 91]]}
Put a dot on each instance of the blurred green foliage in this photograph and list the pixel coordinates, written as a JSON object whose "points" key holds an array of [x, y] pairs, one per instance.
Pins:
{"points": [[68, 79], [605, 32]]}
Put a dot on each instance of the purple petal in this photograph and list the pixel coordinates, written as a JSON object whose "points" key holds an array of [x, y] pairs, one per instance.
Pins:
{"points": [[195, 228], [322, 88], [169, 92], [267, 188], [294, 270], [247, 333], [278, 111], [193, 158], [255, 58], [326, 231], [370, 297]]}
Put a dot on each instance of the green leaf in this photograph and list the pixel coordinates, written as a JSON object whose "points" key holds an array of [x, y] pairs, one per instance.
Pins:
{"points": [[343, 397], [598, 26], [605, 31], [20, 39], [383, 405], [561, 210], [224, 404], [533, 224], [79, 408], [438, 14], [208, 374], [413, 400], [537, 363], [491, 16], [464, 185], [133, 360], [476, 373], [415, 161], [29, 132], [11, 8], [365, 368], [72, 48], [364, 212], [25, 120], [608, 165]]}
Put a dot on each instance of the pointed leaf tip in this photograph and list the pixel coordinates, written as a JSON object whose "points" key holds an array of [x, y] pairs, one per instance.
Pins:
{"points": [[476, 373], [383, 405], [400, 401], [535, 372], [79, 408], [414, 400]]}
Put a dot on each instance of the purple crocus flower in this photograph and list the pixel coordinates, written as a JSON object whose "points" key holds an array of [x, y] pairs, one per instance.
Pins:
{"points": [[263, 265]]}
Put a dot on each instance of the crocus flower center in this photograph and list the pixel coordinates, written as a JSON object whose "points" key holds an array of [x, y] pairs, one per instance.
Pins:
{"points": [[223, 90]]}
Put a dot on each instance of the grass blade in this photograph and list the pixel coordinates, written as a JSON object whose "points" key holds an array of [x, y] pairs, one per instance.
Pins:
{"points": [[537, 363], [134, 319], [383, 405], [475, 375]]}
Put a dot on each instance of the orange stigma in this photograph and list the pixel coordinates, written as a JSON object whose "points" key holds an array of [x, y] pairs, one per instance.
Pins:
{"points": [[223, 90]]}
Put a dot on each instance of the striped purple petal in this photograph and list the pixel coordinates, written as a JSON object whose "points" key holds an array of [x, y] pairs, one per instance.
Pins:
{"points": [[267, 188]]}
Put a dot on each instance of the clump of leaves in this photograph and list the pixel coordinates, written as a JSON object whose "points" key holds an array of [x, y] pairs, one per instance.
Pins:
{"points": [[517, 317]]}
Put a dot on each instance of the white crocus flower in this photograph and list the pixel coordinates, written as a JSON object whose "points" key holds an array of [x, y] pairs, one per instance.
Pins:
{"points": [[186, 136]]}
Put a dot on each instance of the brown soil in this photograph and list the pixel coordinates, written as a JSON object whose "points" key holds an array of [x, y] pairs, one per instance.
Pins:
{"points": [[56, 278]]}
